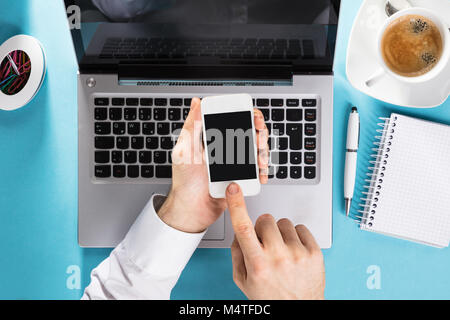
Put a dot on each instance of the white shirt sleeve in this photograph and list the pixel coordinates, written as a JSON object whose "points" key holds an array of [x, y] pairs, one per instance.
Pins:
{"points": [[147, 263]]}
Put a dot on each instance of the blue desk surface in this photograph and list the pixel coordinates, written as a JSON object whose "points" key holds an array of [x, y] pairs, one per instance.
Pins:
{"points": [[38, 190]]}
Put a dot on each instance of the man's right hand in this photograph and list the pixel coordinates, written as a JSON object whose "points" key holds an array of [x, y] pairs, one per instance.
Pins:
{"points": [[273, 261]]}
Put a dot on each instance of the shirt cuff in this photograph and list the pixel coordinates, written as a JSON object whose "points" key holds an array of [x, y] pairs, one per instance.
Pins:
{"points": [[157, 248]]}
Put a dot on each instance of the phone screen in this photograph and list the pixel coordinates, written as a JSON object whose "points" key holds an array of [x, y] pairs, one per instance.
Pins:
{"points": [[230, 146]]}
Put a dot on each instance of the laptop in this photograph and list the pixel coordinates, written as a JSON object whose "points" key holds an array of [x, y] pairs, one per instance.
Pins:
{"points": [[138, 74]]}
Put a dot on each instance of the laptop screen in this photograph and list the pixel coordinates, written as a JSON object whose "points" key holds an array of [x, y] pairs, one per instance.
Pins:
{"points": [[224, 38]]}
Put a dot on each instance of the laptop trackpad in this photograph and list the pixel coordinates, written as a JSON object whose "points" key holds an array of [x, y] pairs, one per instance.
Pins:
{"points": [[217, 230]]}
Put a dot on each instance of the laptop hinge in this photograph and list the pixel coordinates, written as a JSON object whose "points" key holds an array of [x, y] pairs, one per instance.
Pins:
{"points": [[213, 74], [205, 83]]}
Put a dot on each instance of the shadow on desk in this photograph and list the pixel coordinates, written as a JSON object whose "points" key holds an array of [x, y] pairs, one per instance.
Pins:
{"points": [[16, 21], [90, 259]]}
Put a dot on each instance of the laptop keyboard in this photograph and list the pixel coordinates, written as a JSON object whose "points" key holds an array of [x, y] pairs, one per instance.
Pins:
{"points": [[134, 137], [158, 48]]}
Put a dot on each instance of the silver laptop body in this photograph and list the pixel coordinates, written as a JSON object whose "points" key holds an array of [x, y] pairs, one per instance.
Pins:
{"points": [[113, 190]]}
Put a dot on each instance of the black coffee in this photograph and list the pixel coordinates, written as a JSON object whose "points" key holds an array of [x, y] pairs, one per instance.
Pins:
{"points": [[412, 45]]}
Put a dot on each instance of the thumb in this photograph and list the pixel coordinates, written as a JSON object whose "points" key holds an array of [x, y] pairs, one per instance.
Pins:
{"points": [[241, 222]]}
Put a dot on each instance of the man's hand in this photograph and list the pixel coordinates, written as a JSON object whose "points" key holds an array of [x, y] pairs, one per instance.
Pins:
{"points": [[273, 261], [189, 207]]}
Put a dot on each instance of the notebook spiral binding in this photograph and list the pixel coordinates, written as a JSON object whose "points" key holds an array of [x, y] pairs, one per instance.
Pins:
{"points": [[366, 215]]}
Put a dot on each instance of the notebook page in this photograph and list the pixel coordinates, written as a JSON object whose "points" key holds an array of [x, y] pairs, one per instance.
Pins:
{"points": [[414, 200]]}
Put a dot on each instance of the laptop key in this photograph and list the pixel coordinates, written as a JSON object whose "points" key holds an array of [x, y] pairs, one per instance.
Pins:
{"points": [[163, 128], [145, 157], [151, 143], [310, 158], [163, 172], [282, 172], [279, 157], [104, 143], [294, 131], [296, 173], [101, 101], [133, 171], [309, 102], [262, 102], [186, 113], [115, 114], [160, 102], [130, 114], [102, 171], [119, 171], [187, 102], [310, 115], [146, 102], [296, 158], [293, 102], [118, 102], [310, 173], [271, 174], [277, 115], [167, 143], [148, 128], [177, 127], [147, 171], [160, 157], [310, 129], [137, 143], [102, 156], [278, 129], [119, 128], [294, 115], [132, 102], [101, 113], [159, 114], [134, 128], [123, 142], [176, 102], [174, 114], [310, 144], [116, 157], [103, 128], [282, 144], [277, 102], [271, 143], [130, 156], [145, 114]]}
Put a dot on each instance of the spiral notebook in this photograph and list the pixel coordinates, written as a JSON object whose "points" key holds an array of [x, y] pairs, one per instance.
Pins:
{"points": [[408, 192]]}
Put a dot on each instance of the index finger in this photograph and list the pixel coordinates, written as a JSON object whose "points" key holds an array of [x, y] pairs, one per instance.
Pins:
{"points": [[242, 224]]}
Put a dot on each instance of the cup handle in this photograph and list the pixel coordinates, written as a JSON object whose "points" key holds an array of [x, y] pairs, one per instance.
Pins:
{"points": [[375, 77]]}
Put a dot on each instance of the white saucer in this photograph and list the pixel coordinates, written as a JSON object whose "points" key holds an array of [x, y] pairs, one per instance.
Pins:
{"points": [[362, 60]]}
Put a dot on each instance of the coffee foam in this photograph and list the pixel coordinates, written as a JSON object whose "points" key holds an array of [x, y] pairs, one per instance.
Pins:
{"points": [[412, 45]]}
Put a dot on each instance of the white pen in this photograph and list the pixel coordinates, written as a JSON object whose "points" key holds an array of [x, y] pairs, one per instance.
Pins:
{"points": [[351, 158]]}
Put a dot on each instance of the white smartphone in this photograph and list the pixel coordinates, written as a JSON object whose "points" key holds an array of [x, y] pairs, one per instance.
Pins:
{"points": [[229, 137]]}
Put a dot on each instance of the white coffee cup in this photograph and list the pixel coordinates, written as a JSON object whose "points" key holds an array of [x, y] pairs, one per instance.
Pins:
{"points": [[435, 71]]}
